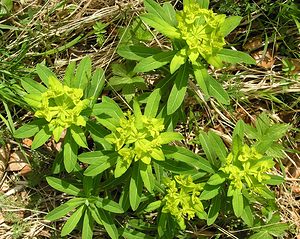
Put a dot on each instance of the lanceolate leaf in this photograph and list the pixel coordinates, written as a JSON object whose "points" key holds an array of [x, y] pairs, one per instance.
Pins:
{"points": [[109, 205], [70, 73], [213, 210], [147, 176], [41, 137], [230, 24], [29, 129], [73, 221], [161, 25], [44, 73], [238, 203], [70, 152], [154, 62], [88, 222], [98, 168], [202, 77], [154, 8], [63, 209], [233, 57], [83, 74], [108, 224], [78, 136], [247, 215], [178, 90], [187, 156], [63, 186], [216, 90], [32, 87], [136, 187], [152, 103], [137, 52], [96, 85]]}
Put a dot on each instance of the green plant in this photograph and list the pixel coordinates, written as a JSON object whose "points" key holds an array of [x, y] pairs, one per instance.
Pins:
{"points": [[87, 207], [99, 29], [126, 81], [62, 107], [197, 36]]}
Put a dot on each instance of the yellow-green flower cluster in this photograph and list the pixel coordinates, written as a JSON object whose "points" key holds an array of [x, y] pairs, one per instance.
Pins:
{"points": [[248, 167], [182, 199], [61, 106], [200, 28], [138, 139]]}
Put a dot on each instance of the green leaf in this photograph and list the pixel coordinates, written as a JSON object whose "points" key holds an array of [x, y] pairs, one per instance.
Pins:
{"points": [[70, 152], [73, 221], [178, 91], [88, 224], [131, 234], [96, 85], [32, 87], [208, 149], [274, 180], [153, 206], [69, 74], [135, 187], [83, 74], [41, 137], [44, 73], [155, 9], [154, 62], [63, 209], [98, 132], [176, 167], [152, 105], [209, 192], [109, 205], [202, 77], [203, 3], [238, 203], [78, 136], [247, 215], [230, 24], [108, 224], [277, 229], [29, 129], [147, 176], [34, 100], [187, 156], [234, 57], [168, 137], [63, 186], [218, 145], [94, 157], [160, 25], [178, 60], [108, 107], [137, 52], [216, 90], [217, 179], [261, 235], [170, 13], [104, 164], [213, 211]]}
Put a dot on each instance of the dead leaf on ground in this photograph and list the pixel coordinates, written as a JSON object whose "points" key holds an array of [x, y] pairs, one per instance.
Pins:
{"points": [[4, 154], [264, 60], [1, 218], [27, 142], [17, 163], [253, 43], [296, 63]]}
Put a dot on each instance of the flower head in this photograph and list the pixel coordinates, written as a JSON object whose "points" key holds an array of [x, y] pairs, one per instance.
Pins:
{"points": [[200, 28]]}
